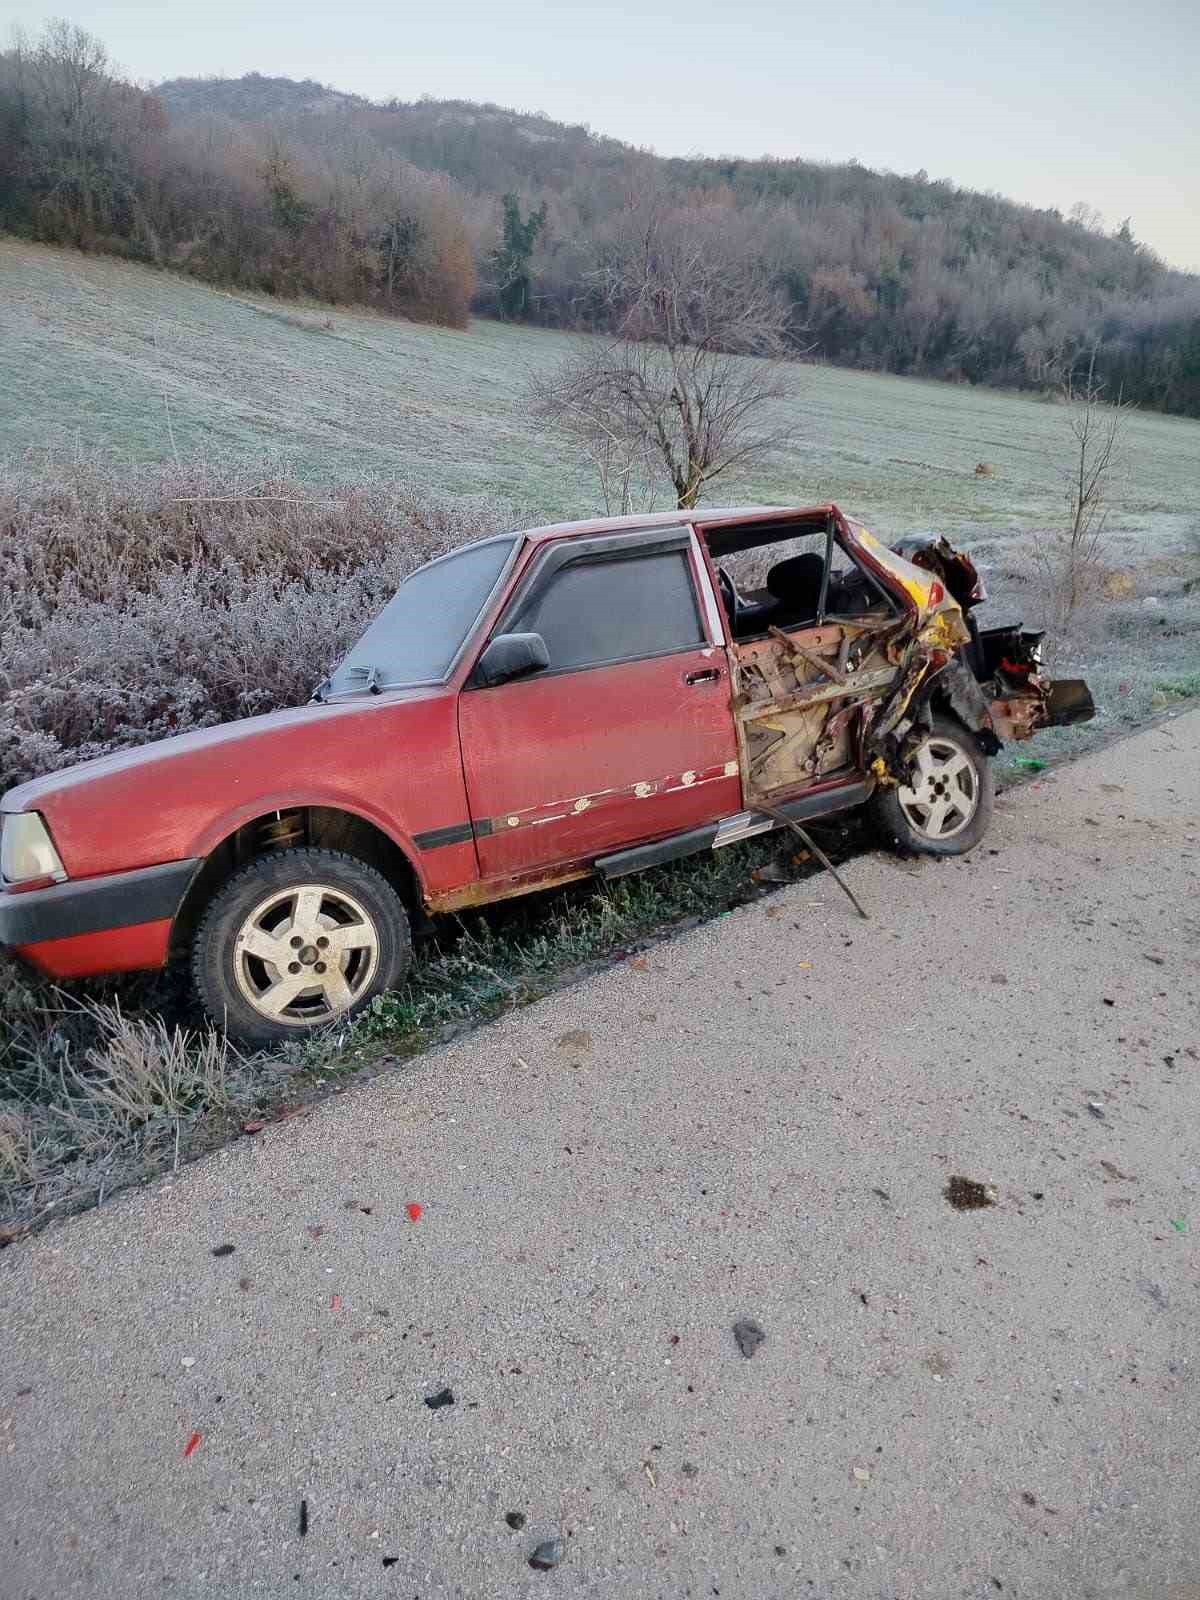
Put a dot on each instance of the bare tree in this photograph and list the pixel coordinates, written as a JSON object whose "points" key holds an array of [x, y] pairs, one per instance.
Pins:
{"points": [[1072, 557], [676, 386]]}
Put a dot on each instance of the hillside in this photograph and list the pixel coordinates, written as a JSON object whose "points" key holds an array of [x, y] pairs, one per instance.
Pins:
{"points": [[436, 209], [135, 365], [886, 271]]}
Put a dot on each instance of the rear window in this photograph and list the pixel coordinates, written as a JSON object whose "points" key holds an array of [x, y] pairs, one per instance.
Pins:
{"points": [[418, 634]]}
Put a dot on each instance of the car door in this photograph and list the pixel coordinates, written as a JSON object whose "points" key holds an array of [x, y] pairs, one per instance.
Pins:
{"points": [[628, 734]]}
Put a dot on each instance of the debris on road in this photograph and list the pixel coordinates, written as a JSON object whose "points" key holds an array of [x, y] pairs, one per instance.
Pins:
{"points": [[335, 1302], [748, 1335], [188, 1362], [1179, 1224], [223, 1249], [575, 1039], [444, 1397], [515, 1520], [548, 1554], [414, 1211], [1096, 1107], [190, 1446], [390, 1561], [1113, 1173], [964, 1194], [303, 1518], [314, 1232], [1031, 763]]}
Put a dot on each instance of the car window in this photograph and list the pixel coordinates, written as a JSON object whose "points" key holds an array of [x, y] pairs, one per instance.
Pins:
{"points": [[417, 635], [613, 609]]}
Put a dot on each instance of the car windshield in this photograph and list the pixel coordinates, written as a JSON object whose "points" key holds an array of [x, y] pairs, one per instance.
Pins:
{"points": [[418, 634]]}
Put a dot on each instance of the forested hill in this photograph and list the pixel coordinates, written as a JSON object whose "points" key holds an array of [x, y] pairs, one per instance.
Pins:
{"points": [[900, 273], [433, 209]]}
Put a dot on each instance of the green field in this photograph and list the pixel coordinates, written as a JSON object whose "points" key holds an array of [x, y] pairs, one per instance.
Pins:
{"points": [[105, 357]]}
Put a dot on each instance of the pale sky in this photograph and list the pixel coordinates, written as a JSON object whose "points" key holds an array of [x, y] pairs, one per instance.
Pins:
{"points": [[1046, 101]]}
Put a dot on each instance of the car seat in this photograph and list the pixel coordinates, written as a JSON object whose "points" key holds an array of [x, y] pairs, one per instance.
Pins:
{"points": [[795, 584]]}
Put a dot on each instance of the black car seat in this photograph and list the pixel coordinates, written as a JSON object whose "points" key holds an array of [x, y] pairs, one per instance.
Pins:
{"points": [[796, 586]]}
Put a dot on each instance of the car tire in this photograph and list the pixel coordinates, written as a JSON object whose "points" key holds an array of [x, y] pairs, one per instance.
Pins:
{"points": [[298, 940], [945, 808]]}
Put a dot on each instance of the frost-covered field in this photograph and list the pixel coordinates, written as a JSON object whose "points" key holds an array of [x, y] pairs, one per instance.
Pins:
{"points": [[106, 356]]}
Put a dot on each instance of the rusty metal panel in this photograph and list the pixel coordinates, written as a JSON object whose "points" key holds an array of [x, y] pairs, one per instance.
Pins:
{"points": [[799, 696]]}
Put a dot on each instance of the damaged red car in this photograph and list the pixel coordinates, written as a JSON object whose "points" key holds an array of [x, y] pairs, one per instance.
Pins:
{"points": [[590, 698]]}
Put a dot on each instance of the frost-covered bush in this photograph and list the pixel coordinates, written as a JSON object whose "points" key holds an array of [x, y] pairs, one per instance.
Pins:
{"points": [[142, 604]]}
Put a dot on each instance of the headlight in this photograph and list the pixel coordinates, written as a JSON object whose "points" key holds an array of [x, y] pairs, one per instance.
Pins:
{"points": [[26, 850]]}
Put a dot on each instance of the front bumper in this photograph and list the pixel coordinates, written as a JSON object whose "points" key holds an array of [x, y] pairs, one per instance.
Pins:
{"points": [[73, 910]]}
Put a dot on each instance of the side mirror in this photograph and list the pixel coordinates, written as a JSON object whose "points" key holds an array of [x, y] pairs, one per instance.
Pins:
{"points": [[511, 655]]}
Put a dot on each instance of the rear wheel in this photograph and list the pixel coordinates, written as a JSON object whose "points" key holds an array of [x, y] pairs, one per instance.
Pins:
{"points": [[298, 940], [944, 807]]}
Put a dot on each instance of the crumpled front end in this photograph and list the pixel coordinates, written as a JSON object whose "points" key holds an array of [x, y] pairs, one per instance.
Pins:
{"points": [[991, 680]]}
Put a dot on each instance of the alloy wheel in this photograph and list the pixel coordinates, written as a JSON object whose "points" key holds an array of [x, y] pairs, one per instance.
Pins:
{"points": [[942, 794], [305, 954]]}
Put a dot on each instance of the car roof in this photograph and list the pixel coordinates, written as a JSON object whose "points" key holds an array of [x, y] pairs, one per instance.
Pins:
{"points": [[707, 517]]}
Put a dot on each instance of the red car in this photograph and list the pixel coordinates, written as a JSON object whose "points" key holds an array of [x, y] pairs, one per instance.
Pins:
{"points": [[594, 697]]}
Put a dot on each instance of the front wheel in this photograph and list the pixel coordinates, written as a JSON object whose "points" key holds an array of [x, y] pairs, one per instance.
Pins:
{"points": [[297, 940], [944, 807]]}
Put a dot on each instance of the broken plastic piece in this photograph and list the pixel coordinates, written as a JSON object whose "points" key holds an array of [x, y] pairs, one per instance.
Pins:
{"points": [[444, 1397], [748, 1335], [548, 1554], [414, 1211], [964, 1194], [191, 1445]]}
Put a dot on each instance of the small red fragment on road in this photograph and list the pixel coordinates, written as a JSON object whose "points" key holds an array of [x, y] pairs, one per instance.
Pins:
{"points": [[414, 1211], [640, 964], [191, 1445], [336, 1303]]}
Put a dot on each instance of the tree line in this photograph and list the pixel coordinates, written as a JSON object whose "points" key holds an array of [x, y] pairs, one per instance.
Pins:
{"points": [[89, 160], [434, 208]]}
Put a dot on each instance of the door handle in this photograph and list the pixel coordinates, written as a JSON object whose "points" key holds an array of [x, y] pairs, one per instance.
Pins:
{"points": [[708, 675]]}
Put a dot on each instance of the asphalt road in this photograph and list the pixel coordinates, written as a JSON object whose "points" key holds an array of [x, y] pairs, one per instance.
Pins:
{"points": [[757, 1120]]}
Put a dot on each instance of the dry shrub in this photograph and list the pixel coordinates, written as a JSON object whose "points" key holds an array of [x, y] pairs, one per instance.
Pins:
{"points": [[1117, 585], [143, 604], [95, 1097], [19, 1154], [143, 1070]]}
